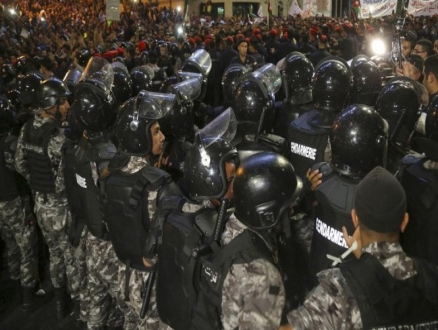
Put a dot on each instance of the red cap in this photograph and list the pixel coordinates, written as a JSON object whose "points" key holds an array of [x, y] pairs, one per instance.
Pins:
{"points": [[273, 32], [323, 38], [230, 39], [141, 45], [313, 31], [192, 41], [240, 36]]}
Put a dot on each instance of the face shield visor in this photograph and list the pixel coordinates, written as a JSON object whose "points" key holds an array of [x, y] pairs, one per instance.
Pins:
{"points": [[99, 72], [198, 62], [270, 76], [188, 90]]}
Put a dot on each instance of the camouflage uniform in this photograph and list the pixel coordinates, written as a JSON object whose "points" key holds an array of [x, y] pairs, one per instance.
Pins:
{"points": [[246, 300], [51, 211], [19, 236], [331, 305], [102, 285], [81, 266], [138, 279], [20, 239], [103, 288]]}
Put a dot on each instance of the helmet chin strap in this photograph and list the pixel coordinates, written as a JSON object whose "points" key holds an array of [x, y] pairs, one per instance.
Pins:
{"points": [[57, 115]]}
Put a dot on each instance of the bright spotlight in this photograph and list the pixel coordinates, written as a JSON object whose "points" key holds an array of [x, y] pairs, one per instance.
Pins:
{"points": [[378, 47]]}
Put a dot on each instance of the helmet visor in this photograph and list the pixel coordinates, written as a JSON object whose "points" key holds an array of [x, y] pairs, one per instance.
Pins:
{"points": [[152, 105], [202, 59], [188, 90], [223, 127], [190, 75], [72, 76], [270, 76], [100, 71]]}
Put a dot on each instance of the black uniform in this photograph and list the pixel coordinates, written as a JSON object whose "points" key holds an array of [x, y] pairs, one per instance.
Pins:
{"points": [[420, 181]]}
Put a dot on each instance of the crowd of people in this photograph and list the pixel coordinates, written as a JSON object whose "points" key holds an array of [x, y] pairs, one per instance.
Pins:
{"points": [[221, 173]]}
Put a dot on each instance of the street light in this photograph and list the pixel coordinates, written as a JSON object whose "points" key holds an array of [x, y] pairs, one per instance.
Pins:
{"points": [[178, 9]]}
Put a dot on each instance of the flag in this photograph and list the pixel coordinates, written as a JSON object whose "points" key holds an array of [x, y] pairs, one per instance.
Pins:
{"points": [[269, 8], [356, 10], [294, 8], [260, 11]]}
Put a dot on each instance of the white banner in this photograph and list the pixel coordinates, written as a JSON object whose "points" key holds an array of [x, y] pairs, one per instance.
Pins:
{"points": [[317, 7], [378, 8], [423, 7], [294, 9]]}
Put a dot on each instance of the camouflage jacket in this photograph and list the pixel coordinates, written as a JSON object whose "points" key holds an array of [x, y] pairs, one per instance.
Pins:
{"points": [[331, 305], [246, 300]]}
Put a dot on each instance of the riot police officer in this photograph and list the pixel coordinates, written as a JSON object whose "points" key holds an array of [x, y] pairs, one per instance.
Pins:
{"points": [[400, 102], [240, 285], [94, 110], [37, 158], [17, 229], [253, 102], [132, 190], [195, 221], [419, 178], [308, 134], [359, 143], [297, 73]]}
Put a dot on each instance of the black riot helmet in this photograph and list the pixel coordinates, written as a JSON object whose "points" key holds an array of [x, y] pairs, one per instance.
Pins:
{"points": [[8, 72], [122, 84], [7, 116], [141, 77], [94, 104], [297, 72], [265, 186], [367, 81], [135, 119], [50, 92], [358, 140], [400, 102], [254, 96], [28, 88], [331, 84], [204, 167], [229, 80], [83, 57]]}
